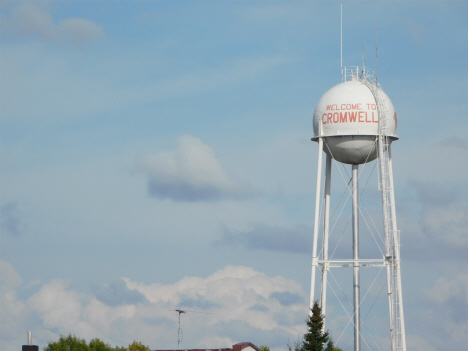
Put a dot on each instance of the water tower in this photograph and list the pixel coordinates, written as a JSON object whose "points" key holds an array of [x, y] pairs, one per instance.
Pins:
{"points": [[355, 123]]}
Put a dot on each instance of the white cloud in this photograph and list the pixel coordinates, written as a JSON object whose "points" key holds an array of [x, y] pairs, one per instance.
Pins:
{"points": [[13, 310], [234, 293], [102, 317], [191, 173], [59, 307], [33, 21]]}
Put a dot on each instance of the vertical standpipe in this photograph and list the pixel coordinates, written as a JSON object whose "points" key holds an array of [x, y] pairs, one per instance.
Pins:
{"points": [[29, 346], [356, 277]]}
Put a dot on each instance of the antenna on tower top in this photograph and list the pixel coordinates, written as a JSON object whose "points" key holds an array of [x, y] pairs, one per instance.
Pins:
{"points": [[341, 42], [363, 62], [377, 54]]}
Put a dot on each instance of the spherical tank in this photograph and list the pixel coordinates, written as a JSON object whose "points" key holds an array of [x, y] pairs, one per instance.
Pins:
{"points": [[347, 118]]}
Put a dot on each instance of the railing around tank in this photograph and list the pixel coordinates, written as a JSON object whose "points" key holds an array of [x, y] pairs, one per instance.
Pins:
{"points": [[349, 73]]}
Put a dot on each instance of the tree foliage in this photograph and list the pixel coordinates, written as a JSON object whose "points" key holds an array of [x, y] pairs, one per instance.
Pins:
{"points": [[137, 346], [67, 343], [264, 348], [73, 343], [99, 345]]}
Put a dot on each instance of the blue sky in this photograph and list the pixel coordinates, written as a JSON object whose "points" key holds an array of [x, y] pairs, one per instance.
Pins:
{"points": [[157, 154]]}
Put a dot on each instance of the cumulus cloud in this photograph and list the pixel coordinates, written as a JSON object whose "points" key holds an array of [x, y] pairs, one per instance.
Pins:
{"points": [[33, 21], [61, 310], [58, 306], [191, 173], [244, 304], [10, 306], [238, 296], [271, 238]]}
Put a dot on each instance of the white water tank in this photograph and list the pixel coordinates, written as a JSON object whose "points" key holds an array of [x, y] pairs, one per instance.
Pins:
{"points": [[347, 118]]}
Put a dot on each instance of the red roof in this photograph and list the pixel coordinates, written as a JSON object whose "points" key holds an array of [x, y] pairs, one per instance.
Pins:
{"points": [[237, 347]]}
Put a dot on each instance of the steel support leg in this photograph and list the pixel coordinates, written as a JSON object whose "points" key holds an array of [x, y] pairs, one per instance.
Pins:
{"points": [[326, 226], [316, 226], [396, 243]]}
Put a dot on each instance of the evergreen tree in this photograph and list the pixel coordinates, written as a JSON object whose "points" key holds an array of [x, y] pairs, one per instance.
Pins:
{"points": [[315, 338]]}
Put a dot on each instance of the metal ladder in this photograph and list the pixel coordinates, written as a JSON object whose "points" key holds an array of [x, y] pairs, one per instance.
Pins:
{"points": [[392, 235]]}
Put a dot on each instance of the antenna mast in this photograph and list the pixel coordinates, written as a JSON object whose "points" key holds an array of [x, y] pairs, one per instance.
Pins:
{"points": [[180, 334], [363, 76], [341, 43], [363, 55], [377, 54]]}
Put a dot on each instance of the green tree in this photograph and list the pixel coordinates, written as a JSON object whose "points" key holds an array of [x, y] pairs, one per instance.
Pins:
{"points": [[73, 343], [264, 348], [67, 343], [137, 346], [99, 345]]}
